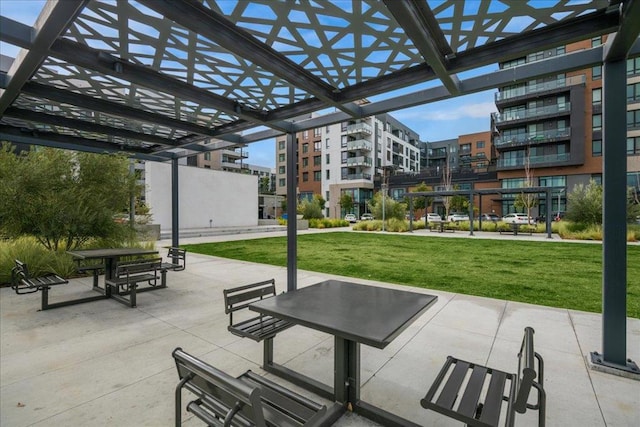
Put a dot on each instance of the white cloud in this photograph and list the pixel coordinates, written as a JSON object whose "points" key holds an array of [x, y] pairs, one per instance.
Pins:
{"points": [[448, 113]]}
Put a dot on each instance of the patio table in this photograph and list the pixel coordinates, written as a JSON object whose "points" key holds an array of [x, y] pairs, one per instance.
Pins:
{"points": [[110, 257], [354, 314]]}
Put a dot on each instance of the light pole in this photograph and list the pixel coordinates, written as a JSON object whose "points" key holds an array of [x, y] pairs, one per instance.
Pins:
{"points": [[559, 193]]}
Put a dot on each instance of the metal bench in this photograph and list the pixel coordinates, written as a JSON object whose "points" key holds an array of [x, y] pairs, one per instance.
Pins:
{"points": [[249, 400], [259, 327], [177, 259], [127, 276], [467, 401], [23, 283]]}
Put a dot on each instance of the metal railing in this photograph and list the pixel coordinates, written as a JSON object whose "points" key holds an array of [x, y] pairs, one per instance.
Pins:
{"points": [[534, 160], [531, 113], [360, 128], [359, 144], [358, 176], [530, 139], [359, 161], [539, 87]]}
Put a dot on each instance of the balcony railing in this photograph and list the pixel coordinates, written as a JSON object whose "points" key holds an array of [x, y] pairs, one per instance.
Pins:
{"points": [[501, 118], [533, 160], [539, 87], [358, 176], [359, 144], [359, 161], [236, 154], [531, 139], [360, 128]]}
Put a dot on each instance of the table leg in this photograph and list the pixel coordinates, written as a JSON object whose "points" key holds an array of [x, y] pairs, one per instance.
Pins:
{"points": [[347, 371]]}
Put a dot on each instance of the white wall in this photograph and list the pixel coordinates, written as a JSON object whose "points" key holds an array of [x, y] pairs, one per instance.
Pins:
{"points": [[229, 199]]}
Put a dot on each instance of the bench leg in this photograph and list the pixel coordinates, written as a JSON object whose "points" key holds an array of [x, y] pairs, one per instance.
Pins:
{"points": [[163, 279], [268, 352], [45, 298], [132, 294]]}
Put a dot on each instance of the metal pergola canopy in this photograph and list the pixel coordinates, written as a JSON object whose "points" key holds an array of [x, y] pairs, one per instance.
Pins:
{"points": [[159, 78]]}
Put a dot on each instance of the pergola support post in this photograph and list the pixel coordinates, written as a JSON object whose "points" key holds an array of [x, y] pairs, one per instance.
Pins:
{"points": [[614, 240], [471, 213], [549, 213], [292, 204], [175, 224]]}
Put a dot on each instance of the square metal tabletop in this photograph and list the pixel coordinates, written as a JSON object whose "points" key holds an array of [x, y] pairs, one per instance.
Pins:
{"points": [[366, 314], [110, 252]]}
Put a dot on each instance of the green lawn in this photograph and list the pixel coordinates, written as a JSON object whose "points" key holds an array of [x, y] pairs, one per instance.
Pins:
{"points": [[567, 275]]}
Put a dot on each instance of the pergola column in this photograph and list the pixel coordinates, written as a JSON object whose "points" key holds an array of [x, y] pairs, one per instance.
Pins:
{"points": [[614, 241], [292, 202], [175, 224]]}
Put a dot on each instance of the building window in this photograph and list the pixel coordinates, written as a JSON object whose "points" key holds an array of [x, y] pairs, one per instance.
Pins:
{"points": [[317, 132], [305, 147], [326, 196], [317, 176], [633, 119], [633, 92], [596, 72], [281, 182], [633, 66], [281, 157], [480, 144], [326, 144], [281, 145], [596, 96], [305, 134], [597, 178], [633, 146], [207, 156], [328, 175], [317, 146], [561, 50], [343, 141], [305, 162], [328, 158], [281, 170], [596, 41], [596, 122], [317, 160], [553, 181], [327, 129], [305, 176], [596, 148], [465, 148]]}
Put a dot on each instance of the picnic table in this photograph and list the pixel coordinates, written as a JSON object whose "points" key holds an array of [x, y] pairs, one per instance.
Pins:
{"points": [[354, 314]]}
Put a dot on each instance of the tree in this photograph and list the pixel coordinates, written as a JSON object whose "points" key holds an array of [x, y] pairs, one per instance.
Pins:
{"points": [[392, 208], [421, 203], [264, 186], [346, 202], [321, 202], [584, 203], [310, 209], [527, 201], [446, 183], [63, 198]]}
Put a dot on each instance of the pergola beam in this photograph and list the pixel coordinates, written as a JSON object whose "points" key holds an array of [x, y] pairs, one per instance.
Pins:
{"points": [[618, 45], [16, 33], [54, 20], [420, 25]]}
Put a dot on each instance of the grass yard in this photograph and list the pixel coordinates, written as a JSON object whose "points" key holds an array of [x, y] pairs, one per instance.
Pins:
{"points": [[567, 275]]}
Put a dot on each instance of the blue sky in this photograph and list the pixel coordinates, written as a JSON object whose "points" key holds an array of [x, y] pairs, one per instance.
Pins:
{"points": [[433, 122]]}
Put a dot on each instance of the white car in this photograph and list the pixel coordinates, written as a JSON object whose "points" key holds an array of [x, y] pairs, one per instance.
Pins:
{"points": [[455, 217], [431, 216], [350, 218], [516, 218], [366, 217]]}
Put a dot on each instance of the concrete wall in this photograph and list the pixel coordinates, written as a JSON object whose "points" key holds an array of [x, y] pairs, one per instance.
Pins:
{"points": [[228, 199]]}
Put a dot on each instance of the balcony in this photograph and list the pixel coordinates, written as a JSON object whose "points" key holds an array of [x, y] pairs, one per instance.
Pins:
{"points": [[532, 139], [528, 90], [359, 128], [533, 160], [235, 154], [352, 176], [359, 144], [437, 154], [234, 166], [532, 113], [359, 161]]}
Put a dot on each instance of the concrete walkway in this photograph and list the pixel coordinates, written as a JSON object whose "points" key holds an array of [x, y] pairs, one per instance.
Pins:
{"points": [[103, 364]]}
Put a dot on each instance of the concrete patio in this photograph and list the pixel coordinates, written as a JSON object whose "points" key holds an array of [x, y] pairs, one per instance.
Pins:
{"points": [[103, 364]]}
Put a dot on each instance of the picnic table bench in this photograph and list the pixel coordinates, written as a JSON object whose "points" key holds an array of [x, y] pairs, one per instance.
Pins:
{"points": [[514, 228], [440, 226], [258, 327], [22, 282], [248, 400], [465, 401], [128, 274]]}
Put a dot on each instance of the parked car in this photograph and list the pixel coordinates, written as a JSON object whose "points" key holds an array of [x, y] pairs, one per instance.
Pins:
{"points": [[366, 217], [516, 218], [455, 217], [490, 217], [351, 218], [431, 216]]}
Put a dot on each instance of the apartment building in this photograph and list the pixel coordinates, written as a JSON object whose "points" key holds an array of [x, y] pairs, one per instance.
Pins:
{"points": [[553, 127], [344, 158]]}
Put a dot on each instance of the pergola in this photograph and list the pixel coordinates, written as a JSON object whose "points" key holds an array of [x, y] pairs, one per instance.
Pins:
{"points": [[163, 79]]}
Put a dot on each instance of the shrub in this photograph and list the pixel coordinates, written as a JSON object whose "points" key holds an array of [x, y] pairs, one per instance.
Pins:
{"points": [[327, 223], [392, 209], [37, 257], [310, 209]]}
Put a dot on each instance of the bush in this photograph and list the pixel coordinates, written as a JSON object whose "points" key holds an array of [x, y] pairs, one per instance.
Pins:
{"points": [[310, 209], [392, 209], [327, 223], [39, 259]]}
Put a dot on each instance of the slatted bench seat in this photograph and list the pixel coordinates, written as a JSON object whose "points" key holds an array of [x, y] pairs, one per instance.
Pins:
{"points": [[23, 283], [177, 260], [129, 274], [249, 400], [478, 401], [259, 327]]}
